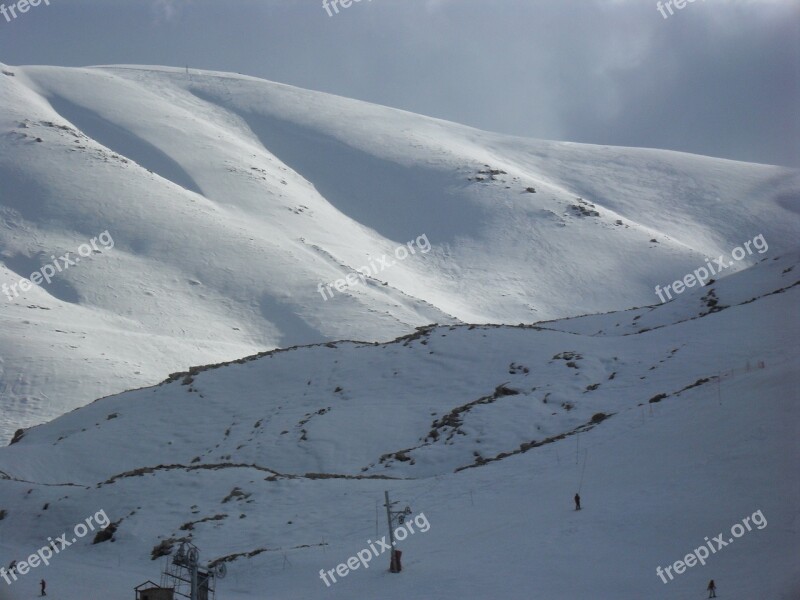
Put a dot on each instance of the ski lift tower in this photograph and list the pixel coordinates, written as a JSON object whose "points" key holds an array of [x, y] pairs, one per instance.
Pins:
{"points": [[183, 577]]}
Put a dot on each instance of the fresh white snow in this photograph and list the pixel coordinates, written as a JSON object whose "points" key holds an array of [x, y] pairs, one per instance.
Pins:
{"points": [[523, 358], [230, 199], [655, 477]]}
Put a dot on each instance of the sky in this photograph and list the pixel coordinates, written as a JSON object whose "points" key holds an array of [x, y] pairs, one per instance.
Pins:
{"points": [[716, 77]]}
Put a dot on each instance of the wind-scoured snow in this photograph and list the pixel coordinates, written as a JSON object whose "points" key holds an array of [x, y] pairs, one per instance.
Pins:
{"points": [[675, 423], [230, 199]]}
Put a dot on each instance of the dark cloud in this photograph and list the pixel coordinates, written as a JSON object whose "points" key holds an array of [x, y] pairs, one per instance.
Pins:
{"points": [[718, 77]]}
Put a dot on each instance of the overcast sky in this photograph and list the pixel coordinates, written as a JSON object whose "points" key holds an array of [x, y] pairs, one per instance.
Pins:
{"points": [[718, 77]]}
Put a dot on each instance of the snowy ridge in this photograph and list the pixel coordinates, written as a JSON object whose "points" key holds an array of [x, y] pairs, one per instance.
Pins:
{"points": [[230, 199], [274, 458]]}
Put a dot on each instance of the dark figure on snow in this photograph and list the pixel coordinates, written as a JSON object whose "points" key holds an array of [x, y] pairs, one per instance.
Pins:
{"points": [[577, 501], [44, 585], [712, 589]]}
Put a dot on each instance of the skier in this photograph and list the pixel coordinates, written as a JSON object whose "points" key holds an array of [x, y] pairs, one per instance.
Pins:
{"points": [[712, 589], [577, 501], [44, 585]]}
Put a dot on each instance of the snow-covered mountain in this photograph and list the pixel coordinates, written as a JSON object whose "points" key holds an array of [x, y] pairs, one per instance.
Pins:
{"points": [[674, 422], [233, 201]]}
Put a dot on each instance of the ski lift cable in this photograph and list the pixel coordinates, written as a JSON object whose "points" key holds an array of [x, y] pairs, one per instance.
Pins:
{"points": [[585, 457]]}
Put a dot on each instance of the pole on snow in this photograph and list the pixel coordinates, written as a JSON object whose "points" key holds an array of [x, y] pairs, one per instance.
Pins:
{"points": [[394, 561]]}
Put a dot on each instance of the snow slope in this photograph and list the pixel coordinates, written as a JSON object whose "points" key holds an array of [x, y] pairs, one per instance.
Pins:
{"points": [[674, 422], [230, 199]]}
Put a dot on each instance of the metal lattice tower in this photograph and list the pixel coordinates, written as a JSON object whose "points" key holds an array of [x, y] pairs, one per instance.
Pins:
{"points": [[183, 574]]}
